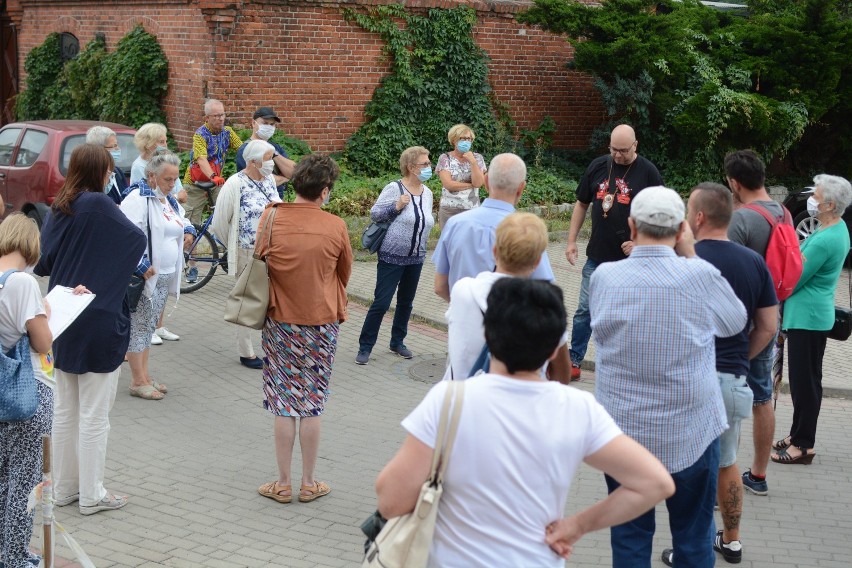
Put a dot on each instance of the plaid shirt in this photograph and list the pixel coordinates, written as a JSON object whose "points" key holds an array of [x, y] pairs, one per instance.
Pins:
{"points": [[655, 317]]}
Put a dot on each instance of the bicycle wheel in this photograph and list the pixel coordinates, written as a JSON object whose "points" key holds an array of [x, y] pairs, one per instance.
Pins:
{"points": [[204, 256]]}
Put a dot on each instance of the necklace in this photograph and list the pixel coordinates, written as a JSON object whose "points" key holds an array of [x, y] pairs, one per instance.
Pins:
{"points": [[609, 199]]}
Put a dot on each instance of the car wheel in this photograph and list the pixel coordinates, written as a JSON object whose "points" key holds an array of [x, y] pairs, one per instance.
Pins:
{"points": [[805, 225]]}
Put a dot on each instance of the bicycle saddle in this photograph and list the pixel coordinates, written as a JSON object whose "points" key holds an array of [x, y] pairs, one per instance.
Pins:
{"points": [[205, 184]]}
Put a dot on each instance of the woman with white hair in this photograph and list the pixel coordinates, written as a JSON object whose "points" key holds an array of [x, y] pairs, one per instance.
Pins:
{"points": [[809, 315], [153, 209], [106, 137], [238, 209]]}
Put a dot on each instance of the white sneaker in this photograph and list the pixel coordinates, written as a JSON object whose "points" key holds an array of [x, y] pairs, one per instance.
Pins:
{"points": [[156, 339], [166, 334]]}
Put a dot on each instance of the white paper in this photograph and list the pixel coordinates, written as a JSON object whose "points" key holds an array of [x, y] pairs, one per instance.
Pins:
{"points": [[65, 306]]}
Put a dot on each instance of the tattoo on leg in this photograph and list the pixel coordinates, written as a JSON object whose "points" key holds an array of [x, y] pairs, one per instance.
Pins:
{"points": [[731, 507]]}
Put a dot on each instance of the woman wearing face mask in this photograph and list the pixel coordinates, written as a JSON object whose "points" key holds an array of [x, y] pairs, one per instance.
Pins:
{"points": [[462, 173], [238, 209], [149, 139], [153, 209], [116, 185], [407, 203], [263, 128], [809, 315]]}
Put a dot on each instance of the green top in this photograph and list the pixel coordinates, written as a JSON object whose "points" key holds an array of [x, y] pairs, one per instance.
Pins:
{"points": [[812, 304]]}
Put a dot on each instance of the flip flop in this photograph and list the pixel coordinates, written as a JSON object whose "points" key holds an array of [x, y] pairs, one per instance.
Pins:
{"points": [[159, 386], [315, 491], [269, 490], [147, 392]]}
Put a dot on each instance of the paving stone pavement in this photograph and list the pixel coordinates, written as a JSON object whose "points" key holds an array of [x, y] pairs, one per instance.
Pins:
{"points": [[192, 463]]}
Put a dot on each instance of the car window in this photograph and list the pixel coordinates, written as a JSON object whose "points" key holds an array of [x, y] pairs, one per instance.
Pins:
{"points": [[68, 146], [31, 146], [125, 142], [8, 137]]}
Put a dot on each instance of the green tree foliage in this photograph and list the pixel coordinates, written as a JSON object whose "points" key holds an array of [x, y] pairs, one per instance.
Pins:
{"points": [[43, 66], [82, 75], [697, 82], [438, 79], [134, 79]]}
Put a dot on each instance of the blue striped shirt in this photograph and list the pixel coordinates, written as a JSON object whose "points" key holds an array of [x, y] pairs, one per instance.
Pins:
{"points": [[405, 241], [655, 317]]}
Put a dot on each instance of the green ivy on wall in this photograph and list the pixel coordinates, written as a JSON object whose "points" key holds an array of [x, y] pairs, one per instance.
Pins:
{"points": [[439, 77], [43, 65]]}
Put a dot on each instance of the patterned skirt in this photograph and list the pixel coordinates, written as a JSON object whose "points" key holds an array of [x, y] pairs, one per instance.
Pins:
{"points": [[297, 362], [144, 320]]}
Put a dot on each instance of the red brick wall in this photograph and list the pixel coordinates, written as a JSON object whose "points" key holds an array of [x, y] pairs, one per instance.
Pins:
{"points": [[314, 68]]}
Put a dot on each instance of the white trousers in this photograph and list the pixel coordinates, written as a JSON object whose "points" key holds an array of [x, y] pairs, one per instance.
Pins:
{"points": [[80, 431], [245, 345]]}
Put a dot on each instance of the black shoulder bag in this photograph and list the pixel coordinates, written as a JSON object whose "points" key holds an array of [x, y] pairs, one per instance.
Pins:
{"points": [[137, 283], [374, 235], [843, 316]]}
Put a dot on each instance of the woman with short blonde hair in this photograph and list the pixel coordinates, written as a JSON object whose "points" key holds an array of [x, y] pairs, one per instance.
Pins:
{"points": [[462, 173]]}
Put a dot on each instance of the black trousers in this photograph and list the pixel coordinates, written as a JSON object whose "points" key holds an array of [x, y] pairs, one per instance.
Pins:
{"points": [[805, 349]]}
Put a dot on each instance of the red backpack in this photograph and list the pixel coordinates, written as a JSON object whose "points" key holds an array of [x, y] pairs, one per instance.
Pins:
{"points": [[783, 256]]}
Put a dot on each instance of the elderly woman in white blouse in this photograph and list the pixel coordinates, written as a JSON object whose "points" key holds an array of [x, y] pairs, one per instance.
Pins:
{"points": [[238, 209]]}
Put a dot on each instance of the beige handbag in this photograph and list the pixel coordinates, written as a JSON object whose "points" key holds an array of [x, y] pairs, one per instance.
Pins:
{"points": [[249, 300], [404, 541]]}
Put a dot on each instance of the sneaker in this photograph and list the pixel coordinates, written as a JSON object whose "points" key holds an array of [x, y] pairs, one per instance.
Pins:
{"points": [[575, 371], [732, 551], [192, 275], [363, 357], [108, 503], [156, 339], [668, 556], [67, 500], [758, 487], [402, 351], [252, 362], [166, 334]]}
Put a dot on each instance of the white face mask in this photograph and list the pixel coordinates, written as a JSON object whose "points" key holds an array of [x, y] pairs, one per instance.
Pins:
{"points": [[265, 131], [266, 168], [813, 206]]}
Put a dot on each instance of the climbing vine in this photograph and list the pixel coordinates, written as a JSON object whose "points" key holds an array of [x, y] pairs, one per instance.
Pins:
{"points": [[43, 65], [439, 77]]}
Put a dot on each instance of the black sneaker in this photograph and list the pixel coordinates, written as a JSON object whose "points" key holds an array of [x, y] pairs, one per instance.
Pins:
{"points": [[402, 351], [363, 357], [668, 555], [756, 486], [732, 551]]}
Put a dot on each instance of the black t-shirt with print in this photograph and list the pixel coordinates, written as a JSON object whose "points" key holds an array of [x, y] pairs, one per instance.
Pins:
{"points": [[608, 233]]}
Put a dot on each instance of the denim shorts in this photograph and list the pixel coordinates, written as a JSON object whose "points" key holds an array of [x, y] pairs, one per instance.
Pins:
{"points": [[760, 374], [738, 400]]}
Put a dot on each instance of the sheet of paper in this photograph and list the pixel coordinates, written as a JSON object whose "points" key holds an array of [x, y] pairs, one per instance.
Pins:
{"points": [[65, 306]]}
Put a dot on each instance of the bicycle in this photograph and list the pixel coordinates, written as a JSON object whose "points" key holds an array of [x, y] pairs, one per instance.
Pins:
{"points": [[203, 252]]}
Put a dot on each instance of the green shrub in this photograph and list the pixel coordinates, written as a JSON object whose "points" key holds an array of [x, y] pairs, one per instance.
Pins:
{"points": [[82, 77], [43, 65]]}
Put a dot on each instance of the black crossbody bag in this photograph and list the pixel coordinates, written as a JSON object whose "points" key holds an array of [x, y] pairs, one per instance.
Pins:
{"points": [[843, 316], [137, 283]]}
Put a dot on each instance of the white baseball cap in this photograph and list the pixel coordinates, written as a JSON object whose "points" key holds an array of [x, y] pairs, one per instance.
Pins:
{"points": [[658, 206]]}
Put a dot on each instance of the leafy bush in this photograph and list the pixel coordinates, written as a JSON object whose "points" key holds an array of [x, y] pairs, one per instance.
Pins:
{"points": [[82, 77], [43, 65]]}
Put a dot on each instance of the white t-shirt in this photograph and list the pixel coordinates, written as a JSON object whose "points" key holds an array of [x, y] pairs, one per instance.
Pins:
{"points": [[172, 245], [518, 447], [20, 301], [465, 333]]}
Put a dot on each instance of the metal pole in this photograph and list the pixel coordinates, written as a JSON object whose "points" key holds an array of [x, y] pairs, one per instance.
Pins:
{"points": [[47, 503]]}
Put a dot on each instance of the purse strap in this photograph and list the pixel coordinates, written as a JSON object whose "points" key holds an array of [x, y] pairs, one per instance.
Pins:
{"points": [[267, 232], [443, 446], [849, 278]]}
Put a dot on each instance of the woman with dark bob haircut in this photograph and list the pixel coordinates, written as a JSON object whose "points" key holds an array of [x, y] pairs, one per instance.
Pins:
{"points": [[309, 260], [87, 240]]}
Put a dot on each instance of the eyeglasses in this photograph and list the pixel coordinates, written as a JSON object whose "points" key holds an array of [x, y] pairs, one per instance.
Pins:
{"points": [[424, 165], [113, 147], [622, 151], [220, 115], [466, 139]]}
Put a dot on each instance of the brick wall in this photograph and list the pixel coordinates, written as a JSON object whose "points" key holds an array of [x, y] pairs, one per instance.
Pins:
{"points": [[303, 59]]}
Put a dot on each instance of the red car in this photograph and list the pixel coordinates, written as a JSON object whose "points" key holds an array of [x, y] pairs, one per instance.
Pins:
{"points": [[34, 159]]}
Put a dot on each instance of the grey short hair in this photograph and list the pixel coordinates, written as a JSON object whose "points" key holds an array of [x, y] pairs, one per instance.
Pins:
{"points": [[255, 149], [98, 135], [835, 189], [506, 173], [160, 160], [209, 102], [655, 232]]}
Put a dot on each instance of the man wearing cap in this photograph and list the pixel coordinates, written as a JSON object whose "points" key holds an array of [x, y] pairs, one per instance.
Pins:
{"points": [[655, 316], [210, 144], [262, 128], [608, 186]]}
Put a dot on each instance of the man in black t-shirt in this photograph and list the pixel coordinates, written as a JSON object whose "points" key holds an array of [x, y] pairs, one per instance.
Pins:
{"points": [[609, 185]]}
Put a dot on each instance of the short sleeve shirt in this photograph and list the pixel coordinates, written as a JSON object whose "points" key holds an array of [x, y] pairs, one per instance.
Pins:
{"points": [[602, 177], [254, 196], [460, 170], [20, 302]]}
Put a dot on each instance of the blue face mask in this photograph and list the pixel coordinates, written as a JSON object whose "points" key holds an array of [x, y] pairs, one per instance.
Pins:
{"points": [[425, 173], [116, 155], [161, 148], [464, 146]]}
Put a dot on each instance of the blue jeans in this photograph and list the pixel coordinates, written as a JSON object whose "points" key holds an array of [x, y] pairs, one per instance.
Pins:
{"points": [[391, 278], [690, 519], [738, 400], [581, 327]]}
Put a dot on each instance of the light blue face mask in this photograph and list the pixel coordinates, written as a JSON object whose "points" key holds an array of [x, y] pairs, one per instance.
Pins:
{"points": [[425, 173], [116, 155], [464, 146], [161, 149]]}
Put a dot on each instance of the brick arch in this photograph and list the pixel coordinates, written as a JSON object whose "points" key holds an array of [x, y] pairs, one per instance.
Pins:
{"points": [[68, 24], [151, 25]]}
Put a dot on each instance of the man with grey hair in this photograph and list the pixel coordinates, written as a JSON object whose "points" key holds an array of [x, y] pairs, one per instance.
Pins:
{"points": [[655, 316], [106, 137], [466, 246]]}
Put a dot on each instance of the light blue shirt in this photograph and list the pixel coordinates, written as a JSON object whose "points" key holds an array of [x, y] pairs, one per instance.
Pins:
{"points": [[655, 317], [466, 246]]}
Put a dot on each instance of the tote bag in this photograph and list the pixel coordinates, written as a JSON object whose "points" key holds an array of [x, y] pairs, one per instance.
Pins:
{"points": [[248, 302], [18, 388]]}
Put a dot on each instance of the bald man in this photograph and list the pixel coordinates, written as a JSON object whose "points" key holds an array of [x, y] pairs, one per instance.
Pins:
{"points": [[609, 185]]}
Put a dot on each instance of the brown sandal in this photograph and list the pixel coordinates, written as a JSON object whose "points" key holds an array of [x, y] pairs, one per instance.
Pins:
{"points": [[315, 491], [782, 444], [274, 491]]}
